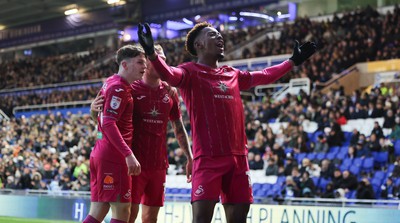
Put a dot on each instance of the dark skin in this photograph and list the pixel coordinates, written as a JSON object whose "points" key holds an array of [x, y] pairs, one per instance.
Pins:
{"points": [[209, 47]]}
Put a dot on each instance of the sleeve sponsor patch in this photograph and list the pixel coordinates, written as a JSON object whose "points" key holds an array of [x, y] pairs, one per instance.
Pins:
{"points": [[115, 102]]}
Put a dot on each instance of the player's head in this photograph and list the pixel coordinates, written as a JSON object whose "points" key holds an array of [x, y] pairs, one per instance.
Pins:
{"points": [[204, 39], [132, 61], [151, 72]]}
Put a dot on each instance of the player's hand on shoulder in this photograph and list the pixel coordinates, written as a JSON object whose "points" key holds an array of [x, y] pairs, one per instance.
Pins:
{"points": [[172, 91], [97, 103], [133, 165], [303, 52]]}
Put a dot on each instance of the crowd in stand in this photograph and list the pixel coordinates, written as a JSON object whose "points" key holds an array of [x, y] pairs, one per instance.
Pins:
{"points": [[330, 111]]}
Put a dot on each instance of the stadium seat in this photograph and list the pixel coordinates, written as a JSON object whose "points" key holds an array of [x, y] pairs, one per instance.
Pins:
{"points": [[381, 158], [379, 175], [322, 183], [266, 186], [311, 156], [355, 170], [397, 147], [331, 156], [368, 164], [320, 156], [256, 186], [334, 149], [347, 162], [300, 157], [358, 162]]}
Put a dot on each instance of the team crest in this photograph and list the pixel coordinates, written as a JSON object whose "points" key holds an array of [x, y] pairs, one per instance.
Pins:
{"points": [[166, 98], [115, 102]]}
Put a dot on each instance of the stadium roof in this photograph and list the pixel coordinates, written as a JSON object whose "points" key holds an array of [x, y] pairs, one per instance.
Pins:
{"points": [[20, 12]]}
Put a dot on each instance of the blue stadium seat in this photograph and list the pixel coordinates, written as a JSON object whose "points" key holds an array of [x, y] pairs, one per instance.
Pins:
{"points": [[355, 170], [322, 183], [260, 193], [381, 158], [358, 162], [281, 180], [316, 180], [341, 156], [368, 164], [376, 181], [334, 149], [347, 162], [266, 186], [311, 156], [320, 156], [344, 149], [379, 175], [397, 147], [300, 157], [331, 156], [256, 186]]}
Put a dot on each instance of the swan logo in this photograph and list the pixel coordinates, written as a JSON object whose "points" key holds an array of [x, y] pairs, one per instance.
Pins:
{"points": [[199, 191]]}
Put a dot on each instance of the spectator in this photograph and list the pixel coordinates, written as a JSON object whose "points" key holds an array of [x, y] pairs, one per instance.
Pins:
{"points": [[365, 190], [321, 146], [272, 168], [290, 188], [389, 190], [349, 181], [307, 186]]}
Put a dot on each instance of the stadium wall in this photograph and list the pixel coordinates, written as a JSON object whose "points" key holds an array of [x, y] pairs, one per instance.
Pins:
{"points": [[75, 209]]}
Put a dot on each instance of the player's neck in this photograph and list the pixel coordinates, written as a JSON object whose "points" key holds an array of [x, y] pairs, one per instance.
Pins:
{"points": [[126, 77], [151, 81], [208, 61]]}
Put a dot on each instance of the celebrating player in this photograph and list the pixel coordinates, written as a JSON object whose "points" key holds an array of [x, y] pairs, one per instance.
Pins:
{"points": [[154, 105], [112, 161], [212, 96]]}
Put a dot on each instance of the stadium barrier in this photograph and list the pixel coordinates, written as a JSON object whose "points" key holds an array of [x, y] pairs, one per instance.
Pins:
{"points": [[74, 206]]}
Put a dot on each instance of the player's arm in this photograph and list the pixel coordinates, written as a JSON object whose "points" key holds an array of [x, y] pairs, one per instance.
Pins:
{"points": [[172, 75], [114, 106], [273, 73], [183, 141]]}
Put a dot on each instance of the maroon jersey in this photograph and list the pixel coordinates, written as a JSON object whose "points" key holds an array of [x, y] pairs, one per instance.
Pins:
{"points": [[153, 108], [115, 128], [212, 98]]}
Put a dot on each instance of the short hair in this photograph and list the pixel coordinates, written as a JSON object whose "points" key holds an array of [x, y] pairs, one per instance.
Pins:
{"points": [[191, 36], [128, 51]]}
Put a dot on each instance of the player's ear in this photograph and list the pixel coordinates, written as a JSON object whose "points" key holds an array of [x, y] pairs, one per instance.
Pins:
{"points": [[198, 44], [124, 65]]}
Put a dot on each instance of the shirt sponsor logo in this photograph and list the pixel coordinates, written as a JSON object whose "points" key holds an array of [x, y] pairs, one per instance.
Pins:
{"points": [[119, 90], [115, 102], [108, 183], [154, 112], [199, 191], [221, 96], [166, 98], [153, 121], [141, 97], [222, 86], [112, 111]]}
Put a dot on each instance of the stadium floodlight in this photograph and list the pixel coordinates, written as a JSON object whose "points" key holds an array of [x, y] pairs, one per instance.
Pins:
{"points": [[257, 15], [187, 21], [110, 2], [71, 11], [2, 27]]}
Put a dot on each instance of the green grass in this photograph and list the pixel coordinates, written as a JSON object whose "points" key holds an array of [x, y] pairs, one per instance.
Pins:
{"points": [[30, 220]]}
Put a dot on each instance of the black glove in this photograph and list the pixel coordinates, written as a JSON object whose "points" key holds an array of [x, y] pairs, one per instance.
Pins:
{"points": [[146, 39], [302, 53]]}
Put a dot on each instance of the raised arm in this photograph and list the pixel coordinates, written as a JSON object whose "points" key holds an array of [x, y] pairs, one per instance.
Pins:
{"points": [[169, 74], [273, 73]]}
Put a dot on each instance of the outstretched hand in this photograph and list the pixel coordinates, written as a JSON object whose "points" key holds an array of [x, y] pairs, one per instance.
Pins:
{"points": [[302, 53], [146, 39]]}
